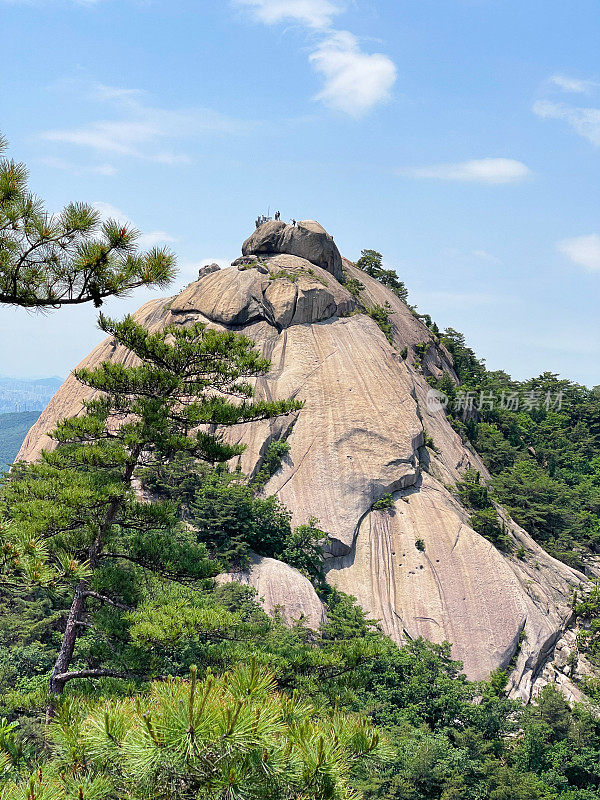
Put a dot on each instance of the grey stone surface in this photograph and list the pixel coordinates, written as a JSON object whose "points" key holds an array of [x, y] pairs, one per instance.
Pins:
{"points": [[307, 239], [280, 588]]}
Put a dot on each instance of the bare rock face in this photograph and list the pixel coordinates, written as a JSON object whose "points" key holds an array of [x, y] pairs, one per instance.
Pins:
{"points": [[307, 240], [281, 588], [284, 290], [207, 269], [423, 571], [361, 435]]}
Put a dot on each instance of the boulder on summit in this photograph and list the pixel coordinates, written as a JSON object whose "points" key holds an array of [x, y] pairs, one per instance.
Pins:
{"points": [[307, 240]]}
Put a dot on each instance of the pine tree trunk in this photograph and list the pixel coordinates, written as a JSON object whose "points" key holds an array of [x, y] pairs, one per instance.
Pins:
{"points": [[65, 654], [63, 661]]}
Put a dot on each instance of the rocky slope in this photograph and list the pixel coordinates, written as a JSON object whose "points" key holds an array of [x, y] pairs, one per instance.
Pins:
{"points": [[362, 435]]}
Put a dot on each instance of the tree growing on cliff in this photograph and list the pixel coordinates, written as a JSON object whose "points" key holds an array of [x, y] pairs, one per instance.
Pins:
{"points": [[73, 519], [51, 260], [371, 262]]}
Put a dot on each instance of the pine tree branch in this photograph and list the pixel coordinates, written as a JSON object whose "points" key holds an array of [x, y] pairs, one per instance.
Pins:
{"points": [[64, 677], [103, 599]]}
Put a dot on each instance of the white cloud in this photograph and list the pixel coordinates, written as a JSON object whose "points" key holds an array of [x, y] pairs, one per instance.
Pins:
{"points": [[313, 13], [141, 130], [95, 169], [582, 250], [584, 121], [574, 85], [355, 81], [485, 256], [484, 170], [145, 240]]}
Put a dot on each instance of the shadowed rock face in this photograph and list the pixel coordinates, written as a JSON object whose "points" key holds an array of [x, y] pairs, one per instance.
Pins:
{"points": [[359, 436], [307, 240]]}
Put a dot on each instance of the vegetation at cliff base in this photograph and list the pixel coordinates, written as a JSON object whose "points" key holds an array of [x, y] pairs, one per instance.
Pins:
{"points": [[75, 524], [540, 439]]}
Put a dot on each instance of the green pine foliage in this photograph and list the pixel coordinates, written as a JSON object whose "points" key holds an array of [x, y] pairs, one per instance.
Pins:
{"points": [[587, 610], [381, 316], [50, 260], [484, 518], [232, 521], [371, 262], [231, 736], [544, 455], [385, 502], [448, 738], [271, 463], [74, 522]]}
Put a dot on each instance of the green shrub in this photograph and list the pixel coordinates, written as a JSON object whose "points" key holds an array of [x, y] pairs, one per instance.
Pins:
{"points": [[272, 460], [371, 263], [354, 286], [381, 316], [385, 501], [486, 522], [303, 549], [472, 492], [228, 736], [484, 519], [428, 441]]}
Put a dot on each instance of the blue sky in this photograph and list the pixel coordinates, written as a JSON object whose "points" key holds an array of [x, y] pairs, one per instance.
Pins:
{"points": [[461, 138]]}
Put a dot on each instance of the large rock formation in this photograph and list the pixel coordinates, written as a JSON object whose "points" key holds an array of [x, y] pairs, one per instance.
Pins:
{"points": [[307, 240], [361, 435], [280, 588]]}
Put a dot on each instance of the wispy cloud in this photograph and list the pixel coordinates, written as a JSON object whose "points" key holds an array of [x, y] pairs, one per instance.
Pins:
{"points": [[485, 256], [584, 121], [140, 130], [68, 166], [483, 170], [572, 85], [355, 81], [582, 250], [145, 240], [314, 13], [45, 2]]}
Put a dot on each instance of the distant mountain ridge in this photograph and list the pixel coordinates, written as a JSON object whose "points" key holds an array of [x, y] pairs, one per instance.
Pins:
{"points": [[13, 429], [18, 395]]}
